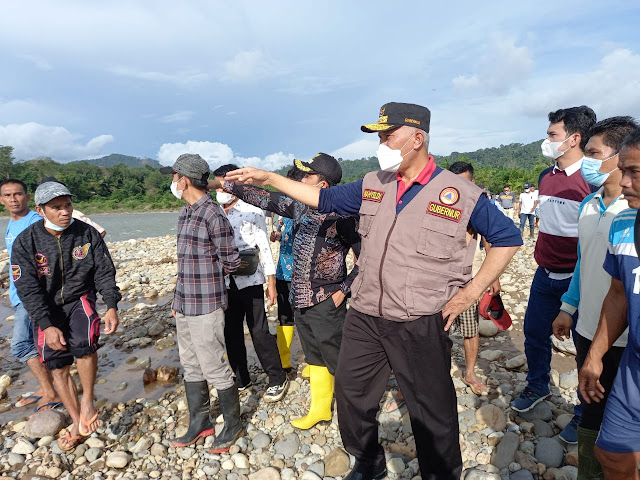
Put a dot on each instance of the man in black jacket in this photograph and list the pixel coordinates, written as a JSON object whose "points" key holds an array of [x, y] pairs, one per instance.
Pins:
{"points": [[58, 265]]}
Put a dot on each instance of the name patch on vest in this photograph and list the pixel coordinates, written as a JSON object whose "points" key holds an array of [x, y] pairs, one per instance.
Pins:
{"points": [[372, 195], [443, 211]]}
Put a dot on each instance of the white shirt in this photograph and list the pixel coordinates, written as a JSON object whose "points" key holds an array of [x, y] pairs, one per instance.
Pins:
{"points": [[250, 231], [527, 202]]}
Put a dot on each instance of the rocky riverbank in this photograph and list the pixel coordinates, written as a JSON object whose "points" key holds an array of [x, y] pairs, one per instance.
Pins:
{"points": [[139, 421]]}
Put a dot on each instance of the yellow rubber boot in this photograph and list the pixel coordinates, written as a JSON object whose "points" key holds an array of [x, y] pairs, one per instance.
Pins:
{"points": [[305, 372], [284, 337], [321, 385]]}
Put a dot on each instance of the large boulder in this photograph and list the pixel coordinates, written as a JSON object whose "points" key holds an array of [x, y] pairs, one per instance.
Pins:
{"points": [[45, 423]]}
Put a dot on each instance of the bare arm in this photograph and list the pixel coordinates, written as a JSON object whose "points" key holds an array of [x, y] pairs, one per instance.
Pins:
{"points": [[613, 322], [307, 194]]}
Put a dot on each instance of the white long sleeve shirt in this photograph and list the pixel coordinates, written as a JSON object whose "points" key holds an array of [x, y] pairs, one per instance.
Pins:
{"points": [[250, 231]]}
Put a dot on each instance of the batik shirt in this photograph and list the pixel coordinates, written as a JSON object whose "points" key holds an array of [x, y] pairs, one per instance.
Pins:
{"points": [[321, 242], [285, 261]]}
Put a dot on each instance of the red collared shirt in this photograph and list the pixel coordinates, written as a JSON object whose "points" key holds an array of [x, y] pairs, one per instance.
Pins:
{"points": [[423, 178]]}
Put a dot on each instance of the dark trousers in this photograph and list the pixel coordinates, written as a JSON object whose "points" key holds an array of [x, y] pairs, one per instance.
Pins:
{"points": [[419, 353], [593, 412], [248, 304], [320, 332], [285, 312], [523, 221]]}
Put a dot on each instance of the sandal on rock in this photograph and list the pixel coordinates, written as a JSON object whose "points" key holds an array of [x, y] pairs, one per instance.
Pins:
{"points": [[394, 403], [69, 442], [33, 399], [47, 406], [476, 387], [87, 423]]}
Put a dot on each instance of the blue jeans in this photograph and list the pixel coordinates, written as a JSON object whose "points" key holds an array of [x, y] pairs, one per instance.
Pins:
{"points": [[543, 308], [22, 344], [523, 220]]}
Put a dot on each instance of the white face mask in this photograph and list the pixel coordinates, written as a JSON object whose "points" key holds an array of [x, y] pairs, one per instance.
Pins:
{"points": [[390, 159], [174, 189], [224, 198], [52, 226], [550, 149]]}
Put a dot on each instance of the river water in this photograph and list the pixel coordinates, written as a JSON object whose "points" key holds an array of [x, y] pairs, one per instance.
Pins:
{"points": [[123, 226]]}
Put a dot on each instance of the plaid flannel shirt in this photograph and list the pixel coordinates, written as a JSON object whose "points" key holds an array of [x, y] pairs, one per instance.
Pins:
{"points": [[206, 253]]}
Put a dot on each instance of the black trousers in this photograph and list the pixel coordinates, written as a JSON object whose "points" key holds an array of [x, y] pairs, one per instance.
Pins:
{"points": [[248, 304], [320, 332], [593, 412], [285, 312], [419, 352]]}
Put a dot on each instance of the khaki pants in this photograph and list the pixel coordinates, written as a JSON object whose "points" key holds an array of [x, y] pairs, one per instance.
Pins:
{"points": [[201, 345], [509, 212]]}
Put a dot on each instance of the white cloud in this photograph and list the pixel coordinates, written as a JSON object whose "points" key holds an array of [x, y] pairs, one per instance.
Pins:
{"points": [[31, 140], [362, 148], [502, 66], [178, 117], [217, 154], [610, 89], [39, 62], [185, 78], [248, 66]]}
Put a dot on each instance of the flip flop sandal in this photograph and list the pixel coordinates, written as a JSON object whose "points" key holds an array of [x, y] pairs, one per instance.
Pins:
{"points": [[69, 442], [50, 406], [85, 422], [477, 388], [35, 398], [393, 404]]}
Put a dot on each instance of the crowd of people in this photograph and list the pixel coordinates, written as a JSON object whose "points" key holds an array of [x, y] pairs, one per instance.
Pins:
{"points": [[428, 244]]}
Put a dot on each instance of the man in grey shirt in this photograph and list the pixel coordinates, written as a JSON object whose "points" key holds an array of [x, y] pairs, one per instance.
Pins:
{"points": [[507, 200]]}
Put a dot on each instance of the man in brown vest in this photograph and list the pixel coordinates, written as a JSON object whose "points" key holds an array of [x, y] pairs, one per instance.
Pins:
{"points": [[414, 280]]}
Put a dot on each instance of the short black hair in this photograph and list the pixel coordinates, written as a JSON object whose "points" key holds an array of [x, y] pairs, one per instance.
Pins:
{"points": [[614, 130], [15, 181], [576, 120], [632, 140], [461, 167], [224, 169], [506, 186], [294, 173], [480, 185], [322, 178]]}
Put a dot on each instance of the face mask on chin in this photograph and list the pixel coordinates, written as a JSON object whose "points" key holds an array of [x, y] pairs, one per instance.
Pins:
{"points": [[390, 159], [590, 170], [52, 226]]}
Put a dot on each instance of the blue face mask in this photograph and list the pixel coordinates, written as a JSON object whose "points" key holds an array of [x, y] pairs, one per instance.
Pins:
{"points": [[591, 173]]}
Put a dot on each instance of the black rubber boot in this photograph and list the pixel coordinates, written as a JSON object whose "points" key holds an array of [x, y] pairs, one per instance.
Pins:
{"points": [[200, 424], [230, 406], [367, 472]]}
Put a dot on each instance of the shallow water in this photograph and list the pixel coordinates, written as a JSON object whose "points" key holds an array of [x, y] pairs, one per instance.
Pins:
{"points": [[123, 226]]}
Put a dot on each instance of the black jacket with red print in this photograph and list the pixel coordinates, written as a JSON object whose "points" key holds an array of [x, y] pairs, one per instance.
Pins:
{"points": [[50, 272]]}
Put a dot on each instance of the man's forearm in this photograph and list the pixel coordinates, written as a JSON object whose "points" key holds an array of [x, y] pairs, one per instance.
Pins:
{"points": [[613, 322], [494, 264], [307, 194]]}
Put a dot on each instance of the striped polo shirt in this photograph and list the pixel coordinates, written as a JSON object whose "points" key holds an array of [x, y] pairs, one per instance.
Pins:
{"points": [[561, 192]]}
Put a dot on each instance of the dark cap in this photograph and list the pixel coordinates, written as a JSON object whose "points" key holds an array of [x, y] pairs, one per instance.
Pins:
{"points": [[190, 165], [324, 164], [394, 115], [527, 185]]}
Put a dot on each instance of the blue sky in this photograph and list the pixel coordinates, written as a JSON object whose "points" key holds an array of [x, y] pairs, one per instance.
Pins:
{"points": [[258, 83]]}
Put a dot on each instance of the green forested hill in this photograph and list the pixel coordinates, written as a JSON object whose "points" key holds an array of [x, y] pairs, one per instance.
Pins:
{"points": [[117, 159]]}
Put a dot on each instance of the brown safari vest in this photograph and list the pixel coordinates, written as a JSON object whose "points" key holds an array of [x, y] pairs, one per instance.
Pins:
{"points": [[411, 264]]}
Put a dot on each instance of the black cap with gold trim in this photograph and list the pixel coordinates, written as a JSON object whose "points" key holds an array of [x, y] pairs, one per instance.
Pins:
{"points": [[323, 164], [394, 115]]}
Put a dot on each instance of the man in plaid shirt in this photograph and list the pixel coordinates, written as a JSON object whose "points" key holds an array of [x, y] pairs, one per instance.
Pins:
{"points": [[206, 253]]}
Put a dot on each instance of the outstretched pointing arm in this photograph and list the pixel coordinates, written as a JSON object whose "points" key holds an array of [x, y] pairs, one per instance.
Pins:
{"points": [[307, 194]]}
